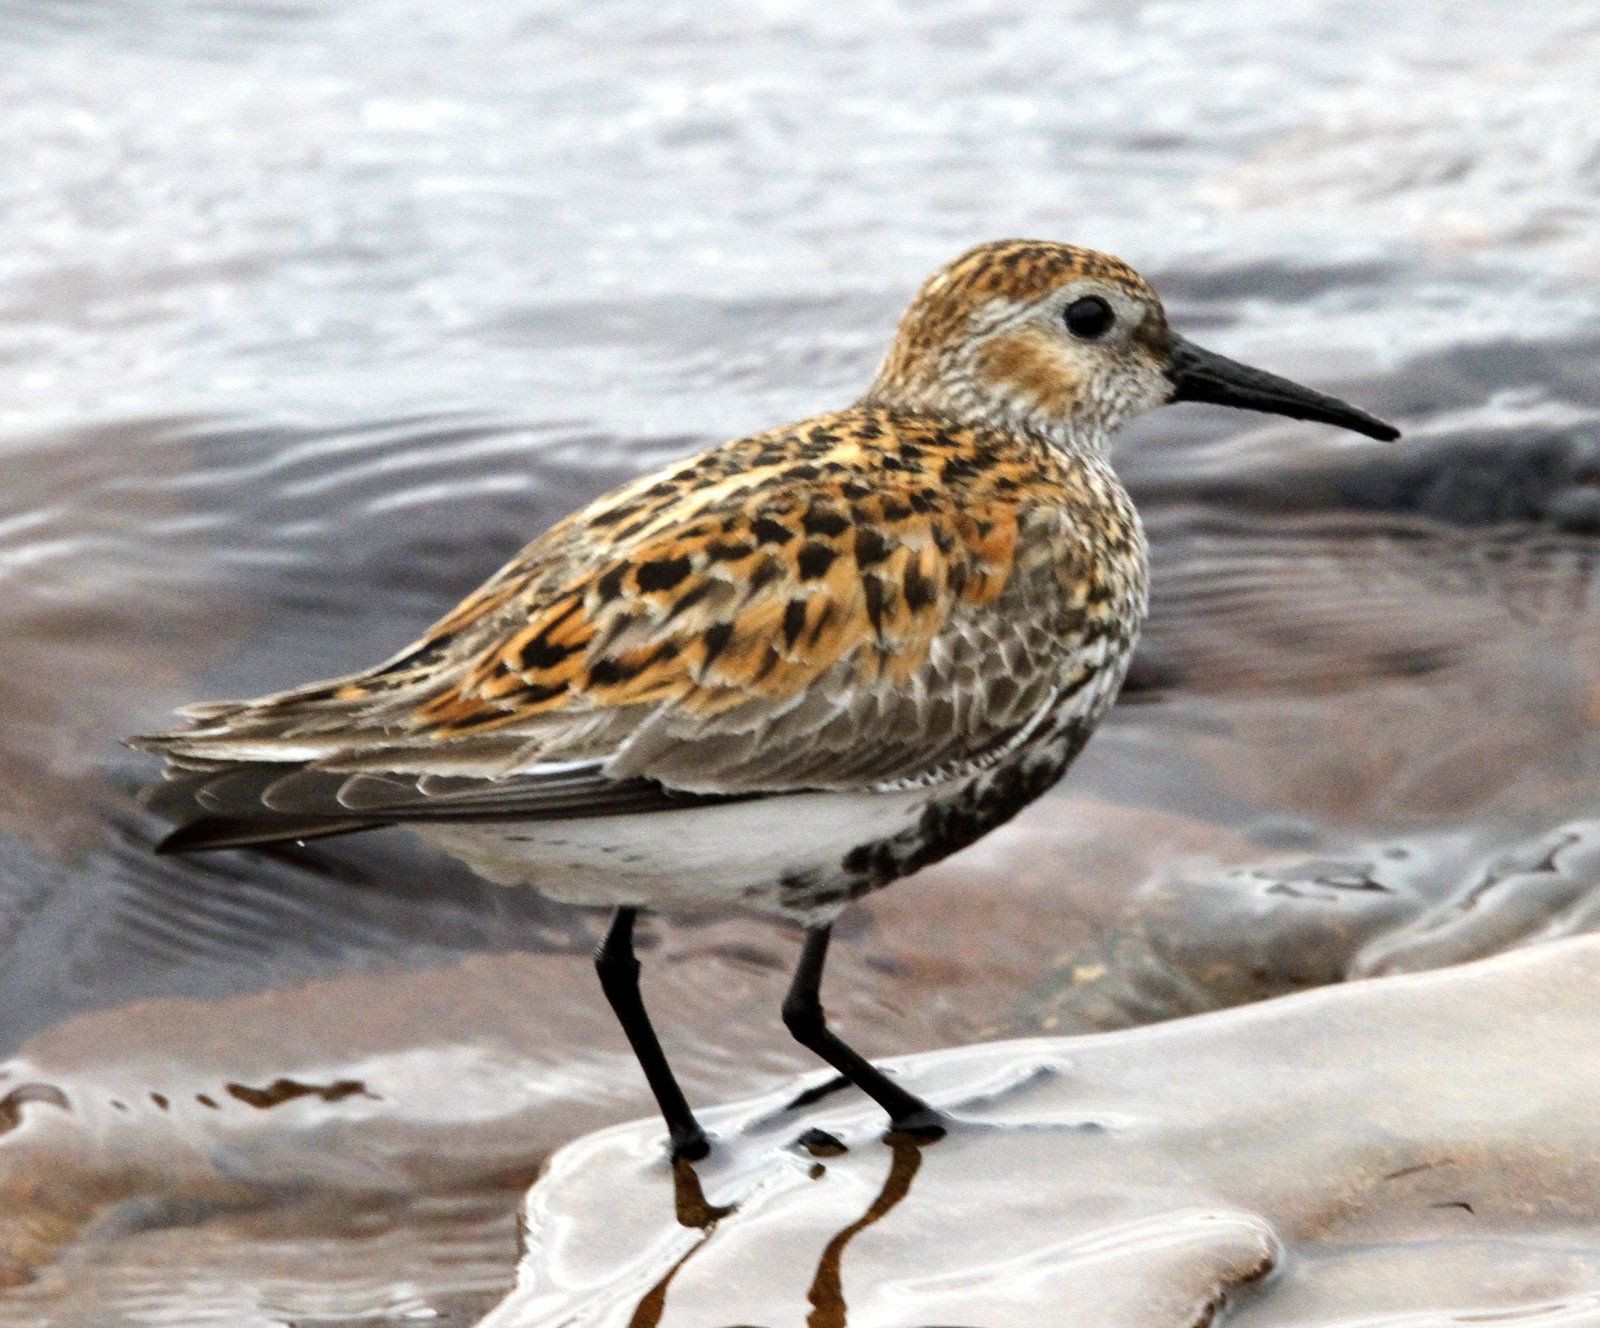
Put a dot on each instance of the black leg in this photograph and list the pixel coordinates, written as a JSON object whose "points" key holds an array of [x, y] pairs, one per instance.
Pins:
{"points": [[619, 979], [802, 1012]]}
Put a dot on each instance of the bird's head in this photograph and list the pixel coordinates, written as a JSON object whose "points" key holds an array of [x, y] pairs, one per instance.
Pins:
{"points": [[1068, 343]]}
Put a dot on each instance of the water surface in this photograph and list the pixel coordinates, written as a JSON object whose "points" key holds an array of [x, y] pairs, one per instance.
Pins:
{"points": [[310, 315]]}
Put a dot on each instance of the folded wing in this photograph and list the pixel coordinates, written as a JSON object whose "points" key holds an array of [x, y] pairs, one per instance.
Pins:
{"points": [[802, 610]]}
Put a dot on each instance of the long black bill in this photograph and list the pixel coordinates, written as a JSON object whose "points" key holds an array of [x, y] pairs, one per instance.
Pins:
{"points": [[1202, 375]]}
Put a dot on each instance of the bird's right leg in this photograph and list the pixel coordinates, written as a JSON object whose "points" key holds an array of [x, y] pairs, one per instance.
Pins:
{"points": [[802, 1012], [619, 979]]}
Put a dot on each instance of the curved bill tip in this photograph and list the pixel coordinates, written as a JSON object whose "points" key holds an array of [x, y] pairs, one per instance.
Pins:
{"points": [[1203, 375]]}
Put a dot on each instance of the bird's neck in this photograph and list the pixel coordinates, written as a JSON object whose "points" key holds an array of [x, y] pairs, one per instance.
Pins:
{"points": [[957, 398]]}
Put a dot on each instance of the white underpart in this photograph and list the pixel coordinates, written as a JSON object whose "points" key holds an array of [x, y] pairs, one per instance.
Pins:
{"points": [[695, 860]]}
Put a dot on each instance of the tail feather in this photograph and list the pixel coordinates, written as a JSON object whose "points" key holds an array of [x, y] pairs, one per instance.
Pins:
{"points": [[215, 832], [219, 801]]}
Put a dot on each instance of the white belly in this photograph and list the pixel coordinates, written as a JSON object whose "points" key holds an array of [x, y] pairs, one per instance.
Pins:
{"points": [[736, 855]]}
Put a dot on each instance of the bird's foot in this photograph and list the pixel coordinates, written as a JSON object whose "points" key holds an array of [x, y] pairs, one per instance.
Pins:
{"points": [[689, 1145], [924, 1126]]}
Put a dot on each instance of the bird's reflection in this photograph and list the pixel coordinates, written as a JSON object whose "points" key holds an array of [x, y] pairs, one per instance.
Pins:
{"points": [[826, 1292]]}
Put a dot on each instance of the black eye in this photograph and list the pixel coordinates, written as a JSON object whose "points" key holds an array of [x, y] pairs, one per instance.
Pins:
{"points": [[1089, 317]]}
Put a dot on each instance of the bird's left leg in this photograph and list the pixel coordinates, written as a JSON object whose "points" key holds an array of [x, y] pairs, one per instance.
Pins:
{"points": [[619, 978], [802, 1012]]}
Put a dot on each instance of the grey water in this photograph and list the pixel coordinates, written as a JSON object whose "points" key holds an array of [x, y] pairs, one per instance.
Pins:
{"points": [[311, 314]]}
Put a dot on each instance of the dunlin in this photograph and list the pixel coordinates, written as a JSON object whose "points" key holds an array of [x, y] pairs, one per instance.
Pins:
{"points": [[782, 673]]}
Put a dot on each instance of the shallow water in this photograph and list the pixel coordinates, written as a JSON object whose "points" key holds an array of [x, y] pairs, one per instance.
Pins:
{"points": [[310, 315], [1151, 1176]]}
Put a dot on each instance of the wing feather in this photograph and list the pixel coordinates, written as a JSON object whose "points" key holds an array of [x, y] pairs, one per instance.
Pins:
{"points": [[854, 602]]}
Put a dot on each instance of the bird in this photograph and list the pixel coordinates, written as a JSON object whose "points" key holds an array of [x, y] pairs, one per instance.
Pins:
{"points": [[782, 673]]}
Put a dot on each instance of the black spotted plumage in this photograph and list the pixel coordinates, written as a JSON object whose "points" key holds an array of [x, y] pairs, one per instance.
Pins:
{"points": [[780, 674]]}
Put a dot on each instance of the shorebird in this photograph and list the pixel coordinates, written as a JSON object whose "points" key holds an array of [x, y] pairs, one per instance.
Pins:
{"points": [[782, 673]]}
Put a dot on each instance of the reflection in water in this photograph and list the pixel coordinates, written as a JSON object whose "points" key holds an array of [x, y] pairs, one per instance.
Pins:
{"points": [[826, 1293], [689, 1201], [278, 387], [1248, 1174], [692, 1210]]}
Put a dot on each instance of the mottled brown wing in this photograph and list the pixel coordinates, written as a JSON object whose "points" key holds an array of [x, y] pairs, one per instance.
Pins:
{"points": [[850, 603]]}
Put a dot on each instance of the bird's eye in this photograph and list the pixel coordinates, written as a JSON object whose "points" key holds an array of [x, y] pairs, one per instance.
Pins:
{"points": [[1089, 318]]}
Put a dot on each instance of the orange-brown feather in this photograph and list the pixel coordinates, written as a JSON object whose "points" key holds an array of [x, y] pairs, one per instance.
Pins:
{"points": [[875, 593], [850, 541]]}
